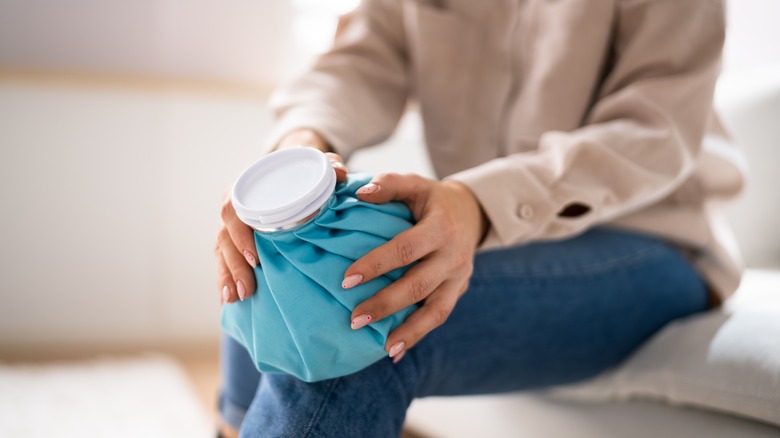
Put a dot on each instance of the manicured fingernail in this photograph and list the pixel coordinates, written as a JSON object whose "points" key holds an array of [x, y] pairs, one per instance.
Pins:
{"points": [[352, 281], [241, 290], [338, 165], [250, 258], [399, 357], [367, 189], [360, 321], [225, 294], [396, 348]]}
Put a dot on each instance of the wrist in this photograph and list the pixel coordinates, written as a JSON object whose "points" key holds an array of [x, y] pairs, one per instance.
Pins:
{"points": [[304, 137], [476, 216]]}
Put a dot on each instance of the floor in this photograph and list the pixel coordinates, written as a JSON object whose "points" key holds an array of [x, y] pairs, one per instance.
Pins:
{"points": [[203, 371], [201, 365]]}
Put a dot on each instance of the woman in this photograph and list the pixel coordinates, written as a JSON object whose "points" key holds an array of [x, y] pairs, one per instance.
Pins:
{"points": [[580, 157]]}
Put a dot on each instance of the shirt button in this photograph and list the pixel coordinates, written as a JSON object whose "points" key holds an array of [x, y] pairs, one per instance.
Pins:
{"points": [[525, 211]]}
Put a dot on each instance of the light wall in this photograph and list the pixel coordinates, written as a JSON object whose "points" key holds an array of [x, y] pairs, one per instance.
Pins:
{"points": [[111, 205], [232, 40], [245, 41]]}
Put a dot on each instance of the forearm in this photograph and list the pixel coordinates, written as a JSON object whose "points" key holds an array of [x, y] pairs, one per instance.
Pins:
{"points": [[355, 94], [638, 144]]}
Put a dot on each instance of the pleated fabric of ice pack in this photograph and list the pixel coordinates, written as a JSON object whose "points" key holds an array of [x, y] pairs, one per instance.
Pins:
{"points": [[298, 320]]}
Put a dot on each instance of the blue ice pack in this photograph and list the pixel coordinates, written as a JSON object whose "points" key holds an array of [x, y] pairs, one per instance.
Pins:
{"points": [[298, 320]]}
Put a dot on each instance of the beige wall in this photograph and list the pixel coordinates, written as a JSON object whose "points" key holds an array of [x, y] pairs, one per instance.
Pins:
{"points": [[110, 207], [236, 40], [233, 40]]}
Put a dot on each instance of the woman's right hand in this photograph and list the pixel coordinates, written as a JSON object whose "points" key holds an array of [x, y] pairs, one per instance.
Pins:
{"points": [[235, 249]]}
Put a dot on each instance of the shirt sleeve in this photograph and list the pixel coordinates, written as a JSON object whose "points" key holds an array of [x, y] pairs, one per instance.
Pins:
{"points": [[639, 140], [356, 93]]}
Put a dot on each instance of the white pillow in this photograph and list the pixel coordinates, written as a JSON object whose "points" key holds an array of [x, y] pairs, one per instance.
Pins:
{"points": [[727, 359]]}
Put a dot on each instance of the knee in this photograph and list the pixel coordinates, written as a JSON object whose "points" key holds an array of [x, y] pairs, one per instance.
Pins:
{"points": [[370, 402]]}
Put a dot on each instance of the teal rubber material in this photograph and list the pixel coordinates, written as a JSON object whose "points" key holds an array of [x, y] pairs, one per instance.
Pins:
{"points": [[298, 320]]}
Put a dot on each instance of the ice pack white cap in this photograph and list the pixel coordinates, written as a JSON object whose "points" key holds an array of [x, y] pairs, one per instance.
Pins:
{"points": [[283, 188]]}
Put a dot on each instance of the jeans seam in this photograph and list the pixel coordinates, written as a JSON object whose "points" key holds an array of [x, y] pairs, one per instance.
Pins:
{"points": [[321, 408]]}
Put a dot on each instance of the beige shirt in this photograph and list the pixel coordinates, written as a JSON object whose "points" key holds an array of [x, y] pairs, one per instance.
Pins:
{"points": [[560, 115]]}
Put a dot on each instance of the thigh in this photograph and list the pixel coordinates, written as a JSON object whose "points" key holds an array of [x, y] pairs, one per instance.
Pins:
{"points": [[556, 312]]}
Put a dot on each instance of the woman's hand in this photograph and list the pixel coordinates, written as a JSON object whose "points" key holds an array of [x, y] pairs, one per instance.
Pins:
{"points": [[235, 250], [450, 225]]}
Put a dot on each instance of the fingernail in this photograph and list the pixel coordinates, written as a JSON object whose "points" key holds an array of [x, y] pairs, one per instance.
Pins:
{"points": [[360, 321], [338, 165], [250, 258], [396, 348], [352, 281], [367, 189], [225, 294], [399, 357], [241, 290]]}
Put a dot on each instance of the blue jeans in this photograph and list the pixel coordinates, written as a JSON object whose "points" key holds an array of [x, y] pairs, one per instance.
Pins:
{"points": [[535, 315]]}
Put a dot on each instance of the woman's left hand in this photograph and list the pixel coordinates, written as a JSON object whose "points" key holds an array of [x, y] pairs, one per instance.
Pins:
{"points": [[450, 225]]}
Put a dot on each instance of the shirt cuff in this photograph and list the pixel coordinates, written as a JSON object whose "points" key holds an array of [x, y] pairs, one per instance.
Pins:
{"points": [[517, 205]]}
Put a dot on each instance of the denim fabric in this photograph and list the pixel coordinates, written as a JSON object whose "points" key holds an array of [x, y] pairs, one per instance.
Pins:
{"points": [[535, 315]]}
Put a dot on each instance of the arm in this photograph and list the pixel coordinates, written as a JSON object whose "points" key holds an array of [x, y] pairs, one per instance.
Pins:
{"points": [[638, 144], [639, 141], [355, 93], [352, 97]]}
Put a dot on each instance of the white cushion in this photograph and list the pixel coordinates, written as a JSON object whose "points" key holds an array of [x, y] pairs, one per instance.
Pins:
{"points": [[727, 359], [527, 415]]}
